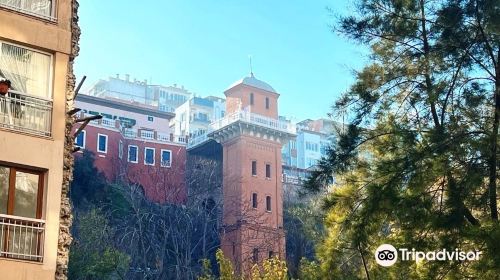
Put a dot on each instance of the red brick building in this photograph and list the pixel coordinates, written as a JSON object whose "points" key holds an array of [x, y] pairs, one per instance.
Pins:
{"points": [[132, 143]]}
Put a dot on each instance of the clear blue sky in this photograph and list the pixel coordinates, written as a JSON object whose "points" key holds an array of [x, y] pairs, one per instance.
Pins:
{"points": [[204, 45]]}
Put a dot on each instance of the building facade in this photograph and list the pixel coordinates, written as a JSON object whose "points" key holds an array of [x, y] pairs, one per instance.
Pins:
{"points": [[169, 98], [163, 98], [133, 144], [194, 117], [251, 136], [32, 134]]}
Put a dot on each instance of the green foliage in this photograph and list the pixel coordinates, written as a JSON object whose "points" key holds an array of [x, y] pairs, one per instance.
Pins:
{"points": [[92, 255], [225, 267], [206, 272], [309, 270], [272, 269], [417, 167]]}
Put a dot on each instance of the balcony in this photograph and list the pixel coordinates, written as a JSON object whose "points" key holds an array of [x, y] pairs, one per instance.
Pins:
{"points": [[25, 113], [21, 238], [246, 117], [253, 118], [39, 8], [150, 135]]}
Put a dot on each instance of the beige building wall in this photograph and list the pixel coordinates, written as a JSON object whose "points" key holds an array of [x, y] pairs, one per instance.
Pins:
{"points": [[38, 152]]}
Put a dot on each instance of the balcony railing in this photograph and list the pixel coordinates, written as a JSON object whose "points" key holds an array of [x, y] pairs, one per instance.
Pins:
{"points": [[243, 116], [21, 238], [253, 119], [26, 113], [150, 135], [40, 8]]}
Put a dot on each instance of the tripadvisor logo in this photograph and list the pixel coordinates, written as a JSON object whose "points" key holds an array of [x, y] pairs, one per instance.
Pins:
{"points": [[387, 255]]}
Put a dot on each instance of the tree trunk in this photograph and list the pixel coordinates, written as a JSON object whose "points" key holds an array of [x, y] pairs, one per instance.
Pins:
{"points": [[492, 187]]}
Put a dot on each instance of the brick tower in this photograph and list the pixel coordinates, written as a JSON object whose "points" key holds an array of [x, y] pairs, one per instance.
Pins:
{"points": [[251, 136]]}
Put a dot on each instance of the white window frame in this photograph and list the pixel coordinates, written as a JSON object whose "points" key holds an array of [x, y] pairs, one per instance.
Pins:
{"points": [[161, 158], [84, 139], [154, 152], [51, 68], [105, 147], [136, 156], [120, 149]]}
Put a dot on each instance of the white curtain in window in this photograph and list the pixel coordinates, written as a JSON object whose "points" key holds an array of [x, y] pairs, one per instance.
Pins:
{"points": [[29, 71]]}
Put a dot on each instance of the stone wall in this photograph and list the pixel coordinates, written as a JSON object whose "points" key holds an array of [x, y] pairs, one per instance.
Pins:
{"points": [[66, 216]]}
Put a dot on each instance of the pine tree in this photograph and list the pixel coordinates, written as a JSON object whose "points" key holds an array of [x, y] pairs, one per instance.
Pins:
{"points": [[417, 167]]}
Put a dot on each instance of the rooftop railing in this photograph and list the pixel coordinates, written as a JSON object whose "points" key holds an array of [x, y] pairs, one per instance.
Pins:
{"points": [[243, 116], [40, 8], [26, 113], [253, 119], [21, 238]]}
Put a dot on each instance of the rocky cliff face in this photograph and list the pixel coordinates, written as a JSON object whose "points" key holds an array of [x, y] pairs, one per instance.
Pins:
{"points": [[66, 216]]}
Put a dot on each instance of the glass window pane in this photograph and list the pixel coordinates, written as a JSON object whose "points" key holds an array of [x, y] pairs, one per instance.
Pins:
{"points": [[132, 154], [25, 202], [29, 71], [165, 158], [79, 139], [102, 145], [149, 157], [4, 188]]}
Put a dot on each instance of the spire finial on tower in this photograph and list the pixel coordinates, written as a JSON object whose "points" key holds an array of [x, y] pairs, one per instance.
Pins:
{"points": [[251, 69]]}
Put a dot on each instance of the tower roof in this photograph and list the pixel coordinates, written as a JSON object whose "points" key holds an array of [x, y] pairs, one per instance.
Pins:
{"points": [[253, 82]]}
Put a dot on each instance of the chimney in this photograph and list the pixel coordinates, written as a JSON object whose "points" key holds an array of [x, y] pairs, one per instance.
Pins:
{"points": [[118, 76], [145, 81], [175, 85], [127, 77]]}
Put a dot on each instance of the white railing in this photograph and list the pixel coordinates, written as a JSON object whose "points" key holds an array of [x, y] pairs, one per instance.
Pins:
{"points": [[253, 119], [21, 238], [130, 133], [194, 141], [39, 8], [26, 113], [108, 122], [147, 134], [243, 116]]}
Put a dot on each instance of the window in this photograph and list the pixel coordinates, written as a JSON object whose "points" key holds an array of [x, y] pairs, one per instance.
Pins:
{"points": [[267, 102], [80, 139], [150, 118], [132, 153], [251, 98], [254, 168], [255, 255], [120, 149], [149, 156], [268, 203], [268, 171], [166, 158], [21, 192], [102, 143], [271, 254], [21, 197], [28, 70], [254, 200], [41, 8]]}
